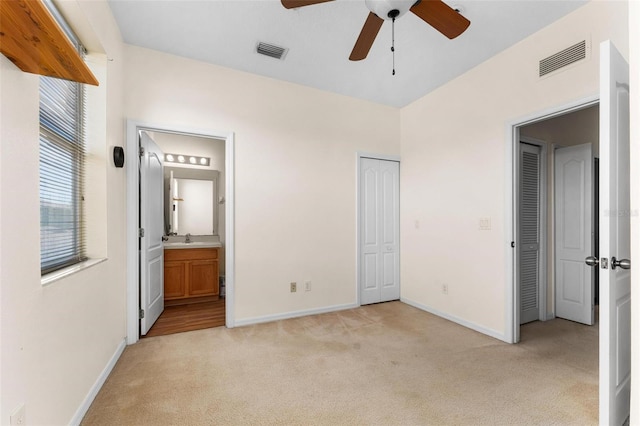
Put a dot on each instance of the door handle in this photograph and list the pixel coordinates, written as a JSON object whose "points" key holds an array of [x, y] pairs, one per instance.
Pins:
{"points": [[622, 263], [592, 261]]}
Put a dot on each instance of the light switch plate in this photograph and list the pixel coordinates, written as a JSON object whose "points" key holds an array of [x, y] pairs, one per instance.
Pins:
{"points": [[18, 418], [485, 223]]}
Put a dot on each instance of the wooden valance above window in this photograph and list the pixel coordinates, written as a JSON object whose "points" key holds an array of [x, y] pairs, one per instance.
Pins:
{"points": [[32, 39]]}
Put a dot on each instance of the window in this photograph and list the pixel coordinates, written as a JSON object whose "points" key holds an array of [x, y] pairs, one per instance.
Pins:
{"points": [[61, 173], [62, 162]]}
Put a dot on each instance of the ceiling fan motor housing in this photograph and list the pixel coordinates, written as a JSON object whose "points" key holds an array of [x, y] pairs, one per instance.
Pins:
{"points": [[389, 9]]}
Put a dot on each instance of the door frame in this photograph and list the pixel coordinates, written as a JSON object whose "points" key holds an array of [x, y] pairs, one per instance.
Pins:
{"points": [[133, 210], [512, 320], [360, 155], [543, 250]]}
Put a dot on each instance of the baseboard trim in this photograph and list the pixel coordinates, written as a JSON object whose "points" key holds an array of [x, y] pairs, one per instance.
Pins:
{"points": [[293, 314], [88, 400], [473, 326]]}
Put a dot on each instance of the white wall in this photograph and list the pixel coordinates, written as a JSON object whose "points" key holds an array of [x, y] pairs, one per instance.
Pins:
{"points": [[295, 172], [454, 165], [567, 130], [57, 339]]}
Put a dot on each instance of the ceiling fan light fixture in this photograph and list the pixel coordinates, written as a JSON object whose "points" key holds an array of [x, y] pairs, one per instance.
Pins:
{"points": [[389, 9]]}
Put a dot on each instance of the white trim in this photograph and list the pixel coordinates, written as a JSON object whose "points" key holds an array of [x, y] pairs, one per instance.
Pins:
{"points": [[512, 334], [551, 310], [133, 294], [230, 226], [359, 156], [512, 133], [88, 400], [473, 326], [70, 270], [294, 314]]}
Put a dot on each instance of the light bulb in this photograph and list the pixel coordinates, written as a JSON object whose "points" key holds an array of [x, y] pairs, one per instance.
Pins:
{"points": [[181, 158]]}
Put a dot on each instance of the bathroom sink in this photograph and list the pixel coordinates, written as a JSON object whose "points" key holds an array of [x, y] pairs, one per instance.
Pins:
{"points": [[193, 244]]}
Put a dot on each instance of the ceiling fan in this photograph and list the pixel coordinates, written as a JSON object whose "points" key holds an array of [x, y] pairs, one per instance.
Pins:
{"points": [[440, 16]]}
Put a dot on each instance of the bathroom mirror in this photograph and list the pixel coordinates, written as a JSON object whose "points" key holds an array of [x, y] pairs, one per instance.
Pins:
{"points": [[191, 201]]}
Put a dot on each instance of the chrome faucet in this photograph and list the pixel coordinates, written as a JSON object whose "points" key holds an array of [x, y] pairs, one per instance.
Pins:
{"points": [[187, 238]]}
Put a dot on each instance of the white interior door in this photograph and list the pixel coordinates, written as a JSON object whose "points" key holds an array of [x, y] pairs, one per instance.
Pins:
{"points": [[152, 224], [379, 230], [529, 230], [574, 281], [615, 283]]}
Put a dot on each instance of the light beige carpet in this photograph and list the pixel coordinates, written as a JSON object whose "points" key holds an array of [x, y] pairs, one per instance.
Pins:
{"points": [[385, 364]]}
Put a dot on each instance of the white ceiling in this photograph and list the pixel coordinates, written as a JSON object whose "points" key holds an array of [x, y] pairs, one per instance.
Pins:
{"points": [[320, 39]]}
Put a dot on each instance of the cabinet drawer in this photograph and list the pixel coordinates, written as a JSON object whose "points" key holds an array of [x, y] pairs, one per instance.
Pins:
{"points": [[191, 254]]}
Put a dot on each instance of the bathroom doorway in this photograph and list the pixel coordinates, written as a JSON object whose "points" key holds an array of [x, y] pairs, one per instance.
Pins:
{"points": [[190, 157], [194, 230]]}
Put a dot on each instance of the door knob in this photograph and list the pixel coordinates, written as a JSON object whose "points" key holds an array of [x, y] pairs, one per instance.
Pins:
{"points": [[623, 263], [592, 261]]}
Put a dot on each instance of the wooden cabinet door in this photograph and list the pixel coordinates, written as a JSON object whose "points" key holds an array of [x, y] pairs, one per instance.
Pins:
{"points": [[203, 276], [175, 279]]}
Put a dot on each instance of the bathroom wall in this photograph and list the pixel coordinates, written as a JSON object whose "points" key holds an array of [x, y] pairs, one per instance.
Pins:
{"points": [[203, 147]]}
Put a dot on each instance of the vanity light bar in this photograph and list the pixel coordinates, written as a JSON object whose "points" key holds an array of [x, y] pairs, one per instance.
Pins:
{"points": [[193, 160]]}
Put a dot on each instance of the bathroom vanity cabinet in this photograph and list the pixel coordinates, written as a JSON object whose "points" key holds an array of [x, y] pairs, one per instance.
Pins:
{"points": [[191, 275]]}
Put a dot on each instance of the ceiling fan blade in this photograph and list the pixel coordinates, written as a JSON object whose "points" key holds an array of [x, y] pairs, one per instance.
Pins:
{"points": [[441, 17], [366, 38], [292, 4]]}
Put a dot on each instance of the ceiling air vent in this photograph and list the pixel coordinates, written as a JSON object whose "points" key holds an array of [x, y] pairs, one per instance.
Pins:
{"points": [[271, 50], [568, 56]]}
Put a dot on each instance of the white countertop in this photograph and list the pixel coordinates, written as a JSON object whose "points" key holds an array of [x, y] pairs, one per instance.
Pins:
{"points": [[192, 245]]}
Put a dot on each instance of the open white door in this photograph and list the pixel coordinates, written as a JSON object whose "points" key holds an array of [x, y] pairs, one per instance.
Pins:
{"points": [[575, 282], [615, 282], [152, 230]]}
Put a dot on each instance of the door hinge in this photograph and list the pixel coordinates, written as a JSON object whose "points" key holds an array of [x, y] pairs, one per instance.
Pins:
{"points": [[141, 151], [141, 232], [141, 314]]}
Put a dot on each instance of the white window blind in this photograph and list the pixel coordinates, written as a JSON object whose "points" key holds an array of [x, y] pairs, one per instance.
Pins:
{"points": [[62, 158]]}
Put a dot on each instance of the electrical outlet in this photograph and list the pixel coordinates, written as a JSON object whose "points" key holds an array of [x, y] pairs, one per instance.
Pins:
{"points": [[485, 224], [445, 288], [18, 418], [294, 287], [307, 286]]}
